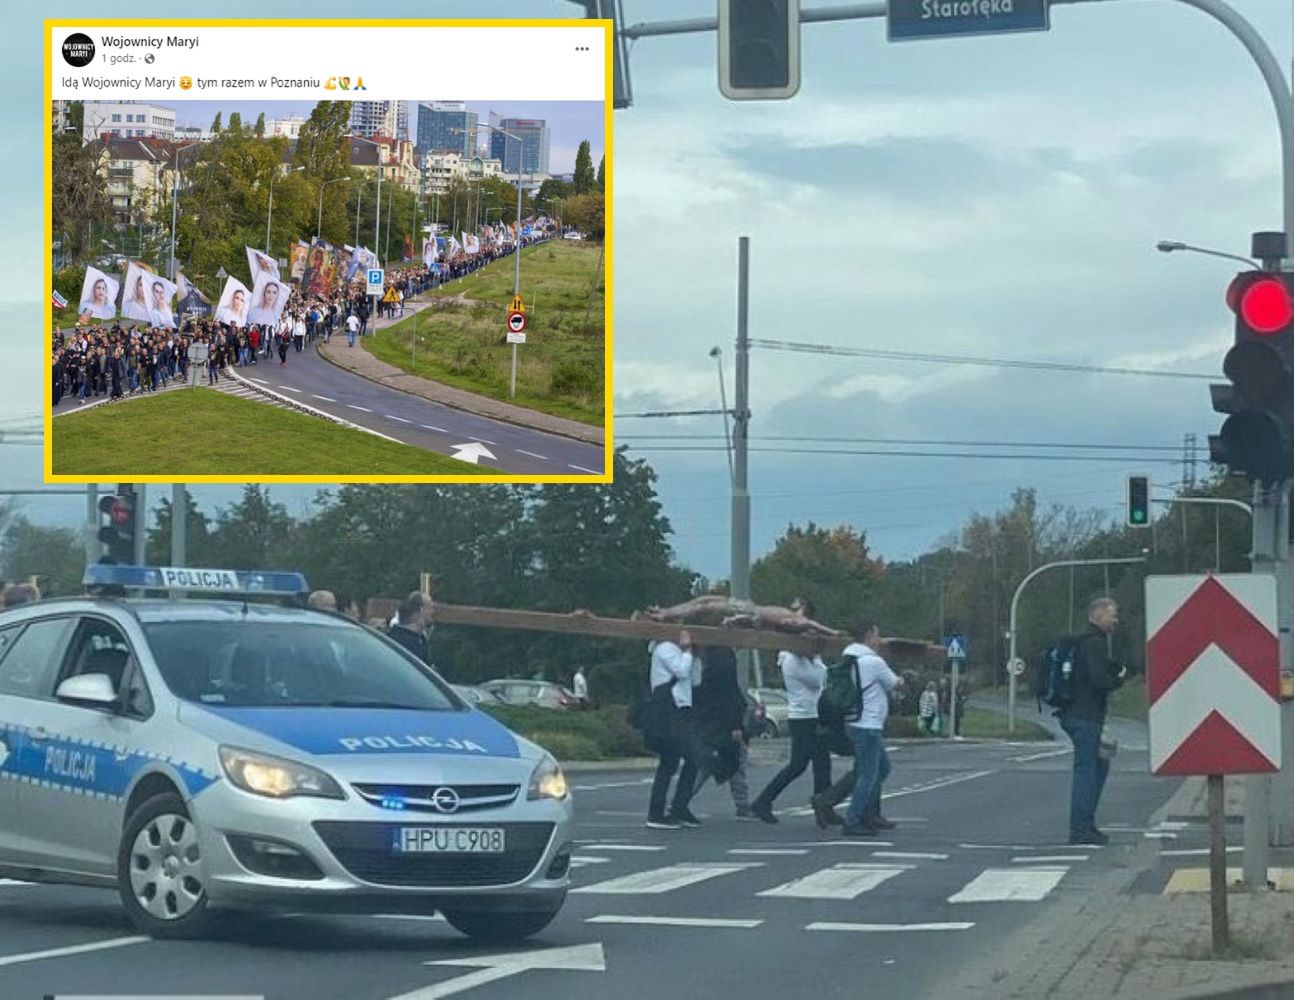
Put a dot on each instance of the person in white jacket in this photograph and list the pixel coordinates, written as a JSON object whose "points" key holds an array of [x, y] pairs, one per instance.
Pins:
{"points": [[674, 672], [803, 678], [867, 733]]}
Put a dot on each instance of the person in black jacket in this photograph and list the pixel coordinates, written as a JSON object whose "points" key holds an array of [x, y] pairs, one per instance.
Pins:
{"points": [[721, 713], [1096, 674], [410, 628]]}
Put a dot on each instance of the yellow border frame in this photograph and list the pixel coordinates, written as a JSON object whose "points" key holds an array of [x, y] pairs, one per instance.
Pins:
{"points": [[608, 340]]}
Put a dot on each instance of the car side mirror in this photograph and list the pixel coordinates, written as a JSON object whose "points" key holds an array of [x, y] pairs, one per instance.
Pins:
{"points": [[95, 690]]}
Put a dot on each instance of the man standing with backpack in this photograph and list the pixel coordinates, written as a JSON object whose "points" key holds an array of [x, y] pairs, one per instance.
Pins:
{"points": [[1092, 676]]}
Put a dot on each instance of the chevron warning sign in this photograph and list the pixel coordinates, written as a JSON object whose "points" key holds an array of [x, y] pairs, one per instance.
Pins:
{"points": [[1213, 674]]}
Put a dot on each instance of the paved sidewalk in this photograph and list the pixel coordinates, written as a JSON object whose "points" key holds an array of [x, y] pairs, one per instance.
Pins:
{"points": [[359, 361], [1106, 941]]}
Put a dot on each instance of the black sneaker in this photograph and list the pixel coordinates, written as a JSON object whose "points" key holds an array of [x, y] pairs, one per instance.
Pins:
{"points": [[823, 812], [881, 823], [764, 813], [1094, 838], [746, 815], [858, 831], [663, 823], [684, 817]]}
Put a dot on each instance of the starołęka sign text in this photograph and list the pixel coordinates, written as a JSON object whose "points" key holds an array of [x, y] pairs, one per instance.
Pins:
{"points": [[909, 19]]}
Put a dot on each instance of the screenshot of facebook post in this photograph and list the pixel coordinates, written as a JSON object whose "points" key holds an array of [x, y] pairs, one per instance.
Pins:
{"points": [[329, 252]]}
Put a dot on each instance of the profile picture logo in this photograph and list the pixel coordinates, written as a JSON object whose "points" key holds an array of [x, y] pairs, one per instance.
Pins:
{"points": [[78, 49], [186, 82]]}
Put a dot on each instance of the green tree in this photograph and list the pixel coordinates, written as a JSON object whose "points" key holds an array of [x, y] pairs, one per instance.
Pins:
{"points": [[198, 545], [829, 566], [602, 164], [79, 194], [55, 556], [322, 147], [235, 123], [586, 212], [216, 127], [553, 189], [254, 533], [584, 178], [259, 130]]}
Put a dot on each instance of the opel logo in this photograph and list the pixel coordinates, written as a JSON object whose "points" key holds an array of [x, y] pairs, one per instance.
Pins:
{"points": [[445, 799]]}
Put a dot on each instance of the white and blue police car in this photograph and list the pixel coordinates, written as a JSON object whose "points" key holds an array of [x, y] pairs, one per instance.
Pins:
{"points": [[225, 753]]}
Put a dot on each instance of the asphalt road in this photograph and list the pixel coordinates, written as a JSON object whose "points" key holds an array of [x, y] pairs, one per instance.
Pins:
{"points": [[734, 909], [311, 380]]}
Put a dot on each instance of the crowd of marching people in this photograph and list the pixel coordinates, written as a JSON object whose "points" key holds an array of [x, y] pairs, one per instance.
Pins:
{"points": [[125, 358]]}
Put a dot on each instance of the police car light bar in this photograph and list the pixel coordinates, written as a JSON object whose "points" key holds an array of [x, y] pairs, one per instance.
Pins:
{"points": [[224, 581]]}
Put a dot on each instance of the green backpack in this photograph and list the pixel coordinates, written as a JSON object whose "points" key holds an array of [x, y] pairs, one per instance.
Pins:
{"points": [[841, 700]]}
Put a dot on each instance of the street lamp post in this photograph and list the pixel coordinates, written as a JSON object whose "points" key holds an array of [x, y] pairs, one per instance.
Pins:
{"points": [[175, 201], [359, 200], [269, 216], [1168, 246], [319, 220]]}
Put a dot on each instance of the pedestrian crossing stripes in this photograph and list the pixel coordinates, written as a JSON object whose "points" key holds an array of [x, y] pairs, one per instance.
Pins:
{"points": [[844, 881], [658, 880], [1001, 885]]}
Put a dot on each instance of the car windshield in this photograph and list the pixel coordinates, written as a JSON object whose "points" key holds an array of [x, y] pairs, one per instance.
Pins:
{"points": [[291, 663]]}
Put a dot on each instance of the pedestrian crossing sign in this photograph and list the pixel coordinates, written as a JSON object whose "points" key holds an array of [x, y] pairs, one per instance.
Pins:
{"points": [[956, 647]]}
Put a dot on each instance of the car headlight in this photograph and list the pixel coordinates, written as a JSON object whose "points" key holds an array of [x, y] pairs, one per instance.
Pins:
{"points": [[275, 777], [547, 781]]}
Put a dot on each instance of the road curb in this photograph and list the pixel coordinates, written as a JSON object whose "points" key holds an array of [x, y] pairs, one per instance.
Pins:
{"points": [[306, 408]]}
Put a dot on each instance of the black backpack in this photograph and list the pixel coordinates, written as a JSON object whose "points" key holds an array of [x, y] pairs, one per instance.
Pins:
{"points": [[841, 700], [1054, 674]]}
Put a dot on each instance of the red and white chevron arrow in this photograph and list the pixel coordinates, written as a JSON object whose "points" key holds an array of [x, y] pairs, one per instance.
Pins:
{"points": [[1213, 674]]}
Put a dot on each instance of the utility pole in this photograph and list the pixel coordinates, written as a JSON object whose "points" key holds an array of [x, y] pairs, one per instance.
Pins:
{"points": [[740, 442]]}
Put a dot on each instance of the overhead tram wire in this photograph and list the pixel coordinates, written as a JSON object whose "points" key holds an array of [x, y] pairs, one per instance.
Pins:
{"points": [[923, 454], [1174, 449], [959, 359]]}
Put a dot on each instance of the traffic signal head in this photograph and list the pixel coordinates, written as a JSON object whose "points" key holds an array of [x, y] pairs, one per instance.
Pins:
{"points": [[759, 49], [117, 532], [1138, 501], [1257, 438]]}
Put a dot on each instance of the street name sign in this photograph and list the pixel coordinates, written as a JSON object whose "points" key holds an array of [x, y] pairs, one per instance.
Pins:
{"points": [[909, 19], [1213, 674], [375, 281]]}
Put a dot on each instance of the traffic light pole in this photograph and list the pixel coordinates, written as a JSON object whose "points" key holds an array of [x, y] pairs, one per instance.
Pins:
{"points": [[740, 553]]}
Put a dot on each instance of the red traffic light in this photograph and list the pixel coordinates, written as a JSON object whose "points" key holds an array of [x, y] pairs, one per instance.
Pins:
{"points": [[1264, 305], [120, 514]]}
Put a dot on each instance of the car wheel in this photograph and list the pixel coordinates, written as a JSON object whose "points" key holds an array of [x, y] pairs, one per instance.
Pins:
{"points": [[493, 927], [770, 731], [159, 870]]}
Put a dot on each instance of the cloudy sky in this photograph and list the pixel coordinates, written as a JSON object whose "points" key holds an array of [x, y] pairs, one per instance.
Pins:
{"points": [[995, 197]]}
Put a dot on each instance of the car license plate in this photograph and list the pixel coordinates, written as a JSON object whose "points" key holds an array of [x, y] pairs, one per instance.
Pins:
{"points": [[448, 840]]}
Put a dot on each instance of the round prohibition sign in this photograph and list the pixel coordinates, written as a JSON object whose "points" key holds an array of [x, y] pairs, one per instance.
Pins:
{"points": [[516, 321]]}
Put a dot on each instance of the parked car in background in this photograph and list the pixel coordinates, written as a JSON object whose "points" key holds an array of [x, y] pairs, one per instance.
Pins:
{"points": [[476, 696], [545, 694], [773, 701]]}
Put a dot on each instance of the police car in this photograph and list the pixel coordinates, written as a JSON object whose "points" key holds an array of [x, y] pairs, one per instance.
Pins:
{"points": [[209, 754]]}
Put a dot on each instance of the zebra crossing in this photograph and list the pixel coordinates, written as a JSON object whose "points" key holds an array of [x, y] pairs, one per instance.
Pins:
{"points": [[826, 875]]}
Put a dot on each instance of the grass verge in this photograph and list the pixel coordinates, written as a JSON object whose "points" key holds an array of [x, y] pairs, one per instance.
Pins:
{"points": [[599, 734], [560, 368], [1129, 701], [226, 436]]}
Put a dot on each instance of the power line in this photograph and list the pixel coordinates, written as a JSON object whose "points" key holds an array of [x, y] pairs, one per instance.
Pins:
{"points": [[924, 454], [673, 413], [958, 359], [1174, 449]]}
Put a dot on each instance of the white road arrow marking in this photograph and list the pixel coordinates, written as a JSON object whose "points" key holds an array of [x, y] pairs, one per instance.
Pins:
{"points": [[472, 452], [1214, 683], [580, 957]]}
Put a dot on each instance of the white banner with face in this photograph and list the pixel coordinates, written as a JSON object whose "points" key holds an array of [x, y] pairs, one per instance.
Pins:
{"points": [[429, 250], [234, 303], [259, 263], [148, 298], [268, 299], [98, 295]]}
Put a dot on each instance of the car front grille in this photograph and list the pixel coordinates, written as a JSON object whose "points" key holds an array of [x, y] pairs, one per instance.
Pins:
{"points": [[364, 850], [421, 798]]}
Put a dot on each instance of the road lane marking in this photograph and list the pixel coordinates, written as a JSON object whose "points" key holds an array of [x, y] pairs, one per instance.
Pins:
{"points": [[433, 917], [486, 441], [1157, 835], [770, 850], [952, 925], [1193, 851], [1009, 885], [1049, 859], [840, 843], [612, 784], [622, 847], [76, 949], [580, 468], [581, 861], [542, 458], [14, 881], [362, 409], [1039, 756], [392, 416], [930, 786], [260, 380], [914, 855], [609, 918], [290, 389], [837, 882], [428, 427], [659, 880], [326, 399]]}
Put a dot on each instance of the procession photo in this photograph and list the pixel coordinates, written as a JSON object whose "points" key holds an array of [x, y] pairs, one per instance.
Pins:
{"points": [[346, 290]]}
